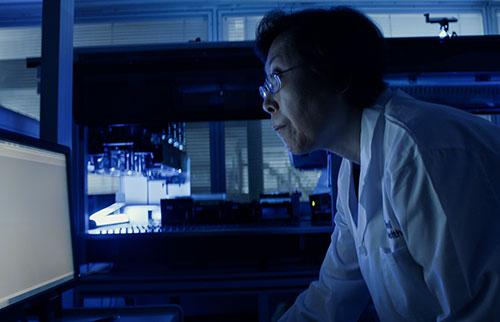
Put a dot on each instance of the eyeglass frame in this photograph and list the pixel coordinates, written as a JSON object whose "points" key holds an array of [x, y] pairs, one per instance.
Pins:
{"points": [[265, 88]]}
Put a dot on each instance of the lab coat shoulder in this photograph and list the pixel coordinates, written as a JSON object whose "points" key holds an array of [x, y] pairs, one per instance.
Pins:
{"points": [[438, 136], [440, 184], [433, 126]]}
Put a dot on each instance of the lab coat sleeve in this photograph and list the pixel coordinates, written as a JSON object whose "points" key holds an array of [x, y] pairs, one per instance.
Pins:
{"points": [[449, 213], [340, 294]]}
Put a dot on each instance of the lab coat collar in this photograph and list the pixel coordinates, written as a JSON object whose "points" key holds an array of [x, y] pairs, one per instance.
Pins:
{"points": [[369, 120], [384, 98]]}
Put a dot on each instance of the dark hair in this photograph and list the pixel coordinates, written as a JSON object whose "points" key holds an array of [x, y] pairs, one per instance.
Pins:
{"points": [[340, 44]]}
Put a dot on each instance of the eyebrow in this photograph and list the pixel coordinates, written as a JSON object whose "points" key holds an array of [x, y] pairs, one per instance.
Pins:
{"points": [[271, 60]]}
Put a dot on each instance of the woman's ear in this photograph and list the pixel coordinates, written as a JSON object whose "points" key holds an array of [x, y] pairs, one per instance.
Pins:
{"points": [[345, 85], [334, 75]]}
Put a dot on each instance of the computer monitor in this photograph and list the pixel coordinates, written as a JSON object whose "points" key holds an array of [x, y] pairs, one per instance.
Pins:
{"points": [[36, 253]]}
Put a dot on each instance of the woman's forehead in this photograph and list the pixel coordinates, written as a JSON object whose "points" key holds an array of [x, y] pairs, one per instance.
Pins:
{"points": [[282, 51]]}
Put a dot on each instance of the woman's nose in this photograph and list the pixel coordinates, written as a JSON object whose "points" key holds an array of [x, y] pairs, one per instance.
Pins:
{"points": [[270, 105]]}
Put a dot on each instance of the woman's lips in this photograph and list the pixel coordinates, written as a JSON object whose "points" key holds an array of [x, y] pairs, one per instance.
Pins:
{"points": [[278, 127]]}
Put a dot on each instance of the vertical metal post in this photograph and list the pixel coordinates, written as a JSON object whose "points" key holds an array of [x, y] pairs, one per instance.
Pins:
{"points": [[217, 158], [79, 188], [255, 160], [56, 96], [56, 117]]}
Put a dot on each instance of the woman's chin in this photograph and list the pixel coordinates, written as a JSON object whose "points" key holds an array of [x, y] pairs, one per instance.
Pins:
{"points": [[299, 148]]}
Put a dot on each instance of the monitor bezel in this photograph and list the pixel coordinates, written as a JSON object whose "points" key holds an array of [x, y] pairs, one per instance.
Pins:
{"points": [[45, 295]]}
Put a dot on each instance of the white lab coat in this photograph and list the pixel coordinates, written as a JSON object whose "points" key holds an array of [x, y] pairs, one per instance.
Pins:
{"points": [[424, 238]]}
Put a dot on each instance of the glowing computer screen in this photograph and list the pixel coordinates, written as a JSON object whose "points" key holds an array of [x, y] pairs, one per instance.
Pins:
{"points": [[36, 252]]}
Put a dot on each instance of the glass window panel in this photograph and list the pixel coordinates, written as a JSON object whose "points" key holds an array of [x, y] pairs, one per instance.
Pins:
{"points": [[156, 31], [18, 84], [383, 21], [239, 28], [470, 24], [251, 23], [414, 25], [279, 175], [197, 147]]}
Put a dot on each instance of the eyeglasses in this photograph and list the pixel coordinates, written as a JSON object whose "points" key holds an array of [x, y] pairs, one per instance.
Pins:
{"points": [[272, 84]]}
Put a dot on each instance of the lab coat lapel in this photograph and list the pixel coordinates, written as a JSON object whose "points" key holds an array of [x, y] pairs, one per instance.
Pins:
{"points": [[371, 159], [351, 195]]}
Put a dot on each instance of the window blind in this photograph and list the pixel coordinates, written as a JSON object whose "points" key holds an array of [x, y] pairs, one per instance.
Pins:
{"points": [[236, 157], [169, 30], [197, 136], [498, 22], [239, 28]]}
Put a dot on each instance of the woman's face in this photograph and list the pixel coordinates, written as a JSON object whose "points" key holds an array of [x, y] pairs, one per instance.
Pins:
{"points": [[301, 111]]}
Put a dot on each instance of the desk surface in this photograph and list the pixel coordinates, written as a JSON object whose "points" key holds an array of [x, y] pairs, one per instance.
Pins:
{"points": [[199, 230], [167, 313], [142, 224]]}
